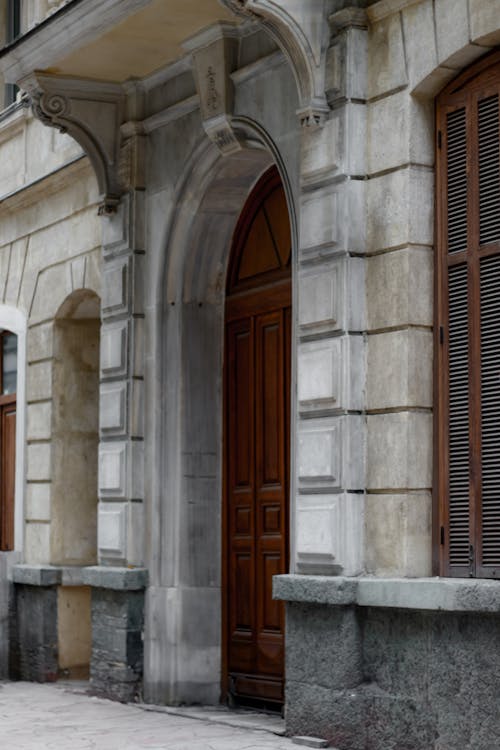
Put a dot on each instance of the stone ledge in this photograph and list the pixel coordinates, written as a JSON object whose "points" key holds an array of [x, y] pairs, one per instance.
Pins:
{"points": [[438, 594], [37, 575], [119, 579]]}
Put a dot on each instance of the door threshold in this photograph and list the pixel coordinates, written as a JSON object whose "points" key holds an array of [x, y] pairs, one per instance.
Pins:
{"points": [[241, 718]]}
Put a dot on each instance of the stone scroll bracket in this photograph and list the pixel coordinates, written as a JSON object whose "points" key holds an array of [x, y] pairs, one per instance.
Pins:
{"points": [[214, 54], [301, 30], [91, 112]]}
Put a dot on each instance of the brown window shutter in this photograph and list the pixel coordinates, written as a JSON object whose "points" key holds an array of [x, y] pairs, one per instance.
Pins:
{"points": [[467, 490]]}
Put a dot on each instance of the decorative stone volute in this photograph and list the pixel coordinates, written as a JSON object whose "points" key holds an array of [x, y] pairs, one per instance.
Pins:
{"points": [[91, 112], [302, 32]]}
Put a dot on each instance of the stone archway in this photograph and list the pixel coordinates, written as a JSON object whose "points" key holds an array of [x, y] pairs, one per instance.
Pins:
{"points": [[183, 650]]}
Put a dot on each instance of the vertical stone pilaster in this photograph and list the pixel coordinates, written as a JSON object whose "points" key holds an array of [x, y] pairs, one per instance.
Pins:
{"points": [[121, 450], [329, 513]]}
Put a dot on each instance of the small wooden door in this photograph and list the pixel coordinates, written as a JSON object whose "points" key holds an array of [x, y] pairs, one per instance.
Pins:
{"points": [[257, 396]]}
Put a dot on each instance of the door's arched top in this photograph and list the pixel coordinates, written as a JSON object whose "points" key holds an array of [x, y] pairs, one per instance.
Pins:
{"points": [[262, 241]]}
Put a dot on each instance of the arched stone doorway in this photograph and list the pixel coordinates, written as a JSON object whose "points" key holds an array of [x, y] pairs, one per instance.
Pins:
{"points": [[184, 653], [256, 445]]}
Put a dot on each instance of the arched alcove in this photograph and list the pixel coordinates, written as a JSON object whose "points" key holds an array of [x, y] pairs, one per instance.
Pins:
{"points": [[75, 436], [75, 425]]}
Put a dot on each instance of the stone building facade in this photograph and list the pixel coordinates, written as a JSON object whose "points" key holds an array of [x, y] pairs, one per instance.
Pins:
{"points": [[118, 223]]}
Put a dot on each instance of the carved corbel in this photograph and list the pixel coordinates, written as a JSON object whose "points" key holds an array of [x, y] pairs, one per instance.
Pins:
{"points": [[301, 30], [214, 53], [91, 112]]}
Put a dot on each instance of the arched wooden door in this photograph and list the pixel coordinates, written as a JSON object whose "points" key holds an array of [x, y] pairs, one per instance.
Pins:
{"points": [[257, 407]]}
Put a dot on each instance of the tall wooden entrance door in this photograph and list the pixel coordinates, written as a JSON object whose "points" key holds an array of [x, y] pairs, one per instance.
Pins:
{"points": [[257, 397]]}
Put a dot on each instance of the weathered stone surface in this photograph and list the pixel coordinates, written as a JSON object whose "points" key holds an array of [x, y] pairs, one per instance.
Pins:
{"points": [[325, 646], [399, 451], [34, 633], [398, 534], [117, 579], [117, 643], [36, 575], [399, 369], [426, 681]]}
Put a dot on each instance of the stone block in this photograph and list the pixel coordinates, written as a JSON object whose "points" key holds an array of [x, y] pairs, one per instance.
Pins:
{"points": [[323, 646], [117, 643], [113, 408], [329, 534], [322, 152], [346, 65], [39, 461], [386, 57], [330, 453], [114, 348], [46, 300], [484, 23], [40, 342], [37, 543], [137, 410], [73, 235], [113, 469], [116, 579], [135, 534], [336, 591], [34, 631], [93, 275], [399, 451], [418, 25], [36, 575], [410, 122], [400, 209], [39, 385], [317, 228], [39, 421], [38, 501], [452, 27], [399, 288], [115, 286], [309, 741], [331, 375], [138, 345], [399, 369], [398, 534], [112, 530]]}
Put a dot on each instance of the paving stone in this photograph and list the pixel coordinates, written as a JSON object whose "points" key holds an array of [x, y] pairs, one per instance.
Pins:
{"points": [[62, 715]]}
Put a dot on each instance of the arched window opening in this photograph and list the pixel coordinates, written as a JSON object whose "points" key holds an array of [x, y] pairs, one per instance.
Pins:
{"points": [[467, 330], [8, 396]]}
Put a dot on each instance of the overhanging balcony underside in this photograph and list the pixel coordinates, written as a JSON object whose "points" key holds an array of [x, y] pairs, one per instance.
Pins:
{"points": [[112, 40]]}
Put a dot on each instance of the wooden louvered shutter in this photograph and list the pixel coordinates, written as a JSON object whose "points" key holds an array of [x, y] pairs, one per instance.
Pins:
{"points": [[468, 324]]}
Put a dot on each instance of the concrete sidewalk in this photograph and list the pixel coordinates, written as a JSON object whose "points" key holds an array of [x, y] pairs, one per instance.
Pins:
{"points": [[63, 717]]}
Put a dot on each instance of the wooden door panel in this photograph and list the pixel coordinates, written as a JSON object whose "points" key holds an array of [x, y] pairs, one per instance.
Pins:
{"points": [[257, 393], [241, 398], [257, 497], [269, 399]]}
